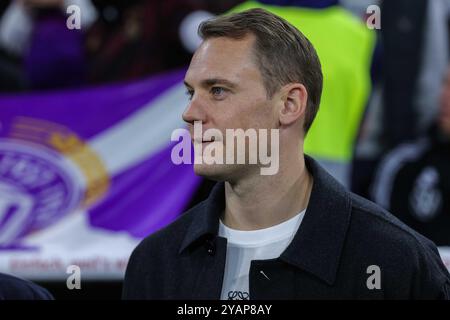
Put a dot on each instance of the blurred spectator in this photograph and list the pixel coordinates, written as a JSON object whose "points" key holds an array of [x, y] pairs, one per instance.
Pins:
{"points": [[11, 79], [414, 53], [36, 32], [137, 38], [415, 42], [413, 181], [118, 40], [12, 288], [10, 73]]}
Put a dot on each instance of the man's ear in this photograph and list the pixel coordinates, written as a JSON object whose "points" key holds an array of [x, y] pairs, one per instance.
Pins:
{"points": [[294, 99]]}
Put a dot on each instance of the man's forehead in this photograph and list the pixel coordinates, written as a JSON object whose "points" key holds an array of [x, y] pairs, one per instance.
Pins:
{"points": [[228, 44], [222, 58]]}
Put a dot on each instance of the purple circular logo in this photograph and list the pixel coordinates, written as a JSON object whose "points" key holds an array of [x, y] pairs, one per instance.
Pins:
{"points": [[38, 186]]}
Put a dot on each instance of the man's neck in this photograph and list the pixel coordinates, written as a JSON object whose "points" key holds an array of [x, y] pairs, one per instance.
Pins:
{"points": [[263, 201]]}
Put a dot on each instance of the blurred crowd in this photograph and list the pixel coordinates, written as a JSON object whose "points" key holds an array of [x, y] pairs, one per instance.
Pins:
{"points": [[118, 40], [400, 150]]}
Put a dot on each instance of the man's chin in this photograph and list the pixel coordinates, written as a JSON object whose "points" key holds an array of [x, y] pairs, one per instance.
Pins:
{"points": [[222, 172], [216, 172]]}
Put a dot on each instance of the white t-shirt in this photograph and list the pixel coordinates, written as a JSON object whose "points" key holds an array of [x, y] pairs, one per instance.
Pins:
{"points": [[245, 246]]}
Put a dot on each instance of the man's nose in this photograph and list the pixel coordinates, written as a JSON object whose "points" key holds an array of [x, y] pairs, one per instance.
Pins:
{"points": [[194, 112]]}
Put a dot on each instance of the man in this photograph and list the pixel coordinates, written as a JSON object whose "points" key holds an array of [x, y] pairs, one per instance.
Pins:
{"points": [[349, 60], [295, 234], [413, 180]]}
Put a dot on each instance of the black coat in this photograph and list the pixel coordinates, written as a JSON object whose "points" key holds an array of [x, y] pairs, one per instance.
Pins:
{"points": [[341, 236], [12, 288]]}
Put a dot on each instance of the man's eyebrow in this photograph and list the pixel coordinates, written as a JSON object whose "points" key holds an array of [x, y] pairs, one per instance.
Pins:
{"points": [[213, 81]]}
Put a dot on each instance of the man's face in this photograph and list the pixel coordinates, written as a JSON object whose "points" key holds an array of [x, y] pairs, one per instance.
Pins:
{"points": [[227, 92], [444, 112]]}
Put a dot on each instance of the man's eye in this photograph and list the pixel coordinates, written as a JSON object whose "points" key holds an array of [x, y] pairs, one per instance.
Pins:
{"points": [[218, 92], [190, 93]]}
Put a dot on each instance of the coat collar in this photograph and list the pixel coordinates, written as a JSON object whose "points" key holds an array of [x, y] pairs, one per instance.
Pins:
{"points": [[317, 246]]}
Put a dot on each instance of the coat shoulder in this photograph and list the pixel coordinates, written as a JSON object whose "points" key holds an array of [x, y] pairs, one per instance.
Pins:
{"points": [[169, 238], [13, 288], [161, 247], [405, 255], [373, 218]]}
